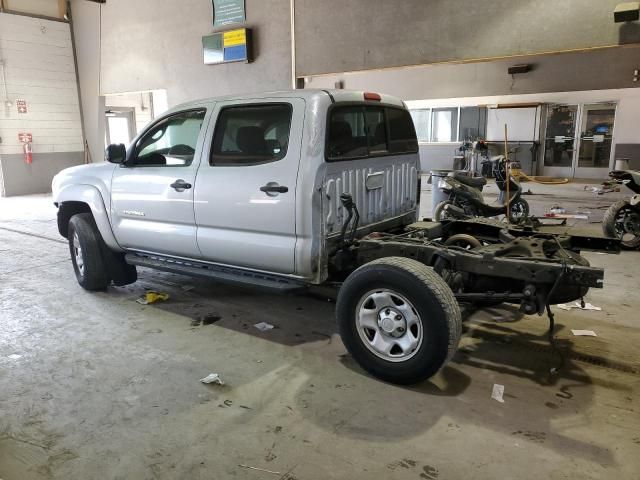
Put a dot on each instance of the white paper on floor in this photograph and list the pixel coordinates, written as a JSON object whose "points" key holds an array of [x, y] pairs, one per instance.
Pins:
{"points": [[584, 333], [212, 378], [15, 356], [497, 392], [569, 306], [263, 326]]}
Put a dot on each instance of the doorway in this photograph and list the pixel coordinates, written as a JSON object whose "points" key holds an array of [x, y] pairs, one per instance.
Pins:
{"points": [[578, 140], [120, 126]]}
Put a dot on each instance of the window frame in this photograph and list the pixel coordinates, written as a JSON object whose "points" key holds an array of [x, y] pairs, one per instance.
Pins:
{"points": [[252, 104], [131, 160], [458, 138], [363, 105]]}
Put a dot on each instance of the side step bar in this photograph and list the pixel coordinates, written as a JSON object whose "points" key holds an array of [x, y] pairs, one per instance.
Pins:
{"points": [[215, 272]]}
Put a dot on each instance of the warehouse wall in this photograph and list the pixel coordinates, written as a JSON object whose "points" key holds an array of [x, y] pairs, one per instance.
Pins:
{"points": [[157, 44], [626, 129], [40, 69], [338, 36]]}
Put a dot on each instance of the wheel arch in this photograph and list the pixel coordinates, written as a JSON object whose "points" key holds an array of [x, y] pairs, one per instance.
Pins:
{"points": [[76, 199]]}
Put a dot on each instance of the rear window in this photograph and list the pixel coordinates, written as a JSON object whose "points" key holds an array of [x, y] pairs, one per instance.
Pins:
{"points": [[361, 131], [251, 135]]}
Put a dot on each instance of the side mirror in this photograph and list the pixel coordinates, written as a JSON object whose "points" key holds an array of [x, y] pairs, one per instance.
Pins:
{"points": [[115, 153]]}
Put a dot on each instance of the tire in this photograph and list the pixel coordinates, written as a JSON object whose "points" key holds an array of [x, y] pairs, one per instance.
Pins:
{"points": [[519, 211], [85, 247], [463, 240], [413, 321], [440, 213], [612, 228]]}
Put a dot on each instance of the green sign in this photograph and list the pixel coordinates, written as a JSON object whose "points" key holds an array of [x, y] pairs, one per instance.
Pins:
{"points": [[226, 12]]}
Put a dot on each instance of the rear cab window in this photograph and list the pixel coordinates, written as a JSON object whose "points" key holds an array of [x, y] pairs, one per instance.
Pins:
{"points": [[363, 131]]}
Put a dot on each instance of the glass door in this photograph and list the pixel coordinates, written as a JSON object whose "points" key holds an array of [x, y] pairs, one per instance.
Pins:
{"points": [[560, 140], [596, 138]]}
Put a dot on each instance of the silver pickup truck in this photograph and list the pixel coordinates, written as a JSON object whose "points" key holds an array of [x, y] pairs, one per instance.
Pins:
{"points": [[290, 189]]}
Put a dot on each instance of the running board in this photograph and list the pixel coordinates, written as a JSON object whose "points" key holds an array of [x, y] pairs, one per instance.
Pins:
{"points": [[215, 272]]}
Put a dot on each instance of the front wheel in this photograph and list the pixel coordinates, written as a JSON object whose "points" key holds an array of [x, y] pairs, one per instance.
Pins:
{"points": [[519, 211], [622, 220], [86, 253], [399, 320]]}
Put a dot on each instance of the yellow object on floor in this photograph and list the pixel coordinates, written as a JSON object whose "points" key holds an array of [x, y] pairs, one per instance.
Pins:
{"points": [[153, 297]]}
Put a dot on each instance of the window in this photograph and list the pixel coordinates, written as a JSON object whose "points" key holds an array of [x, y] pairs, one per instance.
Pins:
{"points": [[422, 123], [361, 131], [402, 135], [251, 135], [450, 124], [171, 141], [473, 123], [444, 125]]}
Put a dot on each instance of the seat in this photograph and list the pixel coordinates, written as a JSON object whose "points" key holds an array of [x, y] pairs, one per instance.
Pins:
{"points": [[473, 182], [250, 141]]}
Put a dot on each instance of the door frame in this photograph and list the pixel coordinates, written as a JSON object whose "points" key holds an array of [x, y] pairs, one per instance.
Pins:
{"points": [[123, 112], [574, 171]]}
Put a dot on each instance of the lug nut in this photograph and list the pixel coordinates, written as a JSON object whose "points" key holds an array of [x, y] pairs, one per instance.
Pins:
{"points": [[398, 317], [387, 311]]}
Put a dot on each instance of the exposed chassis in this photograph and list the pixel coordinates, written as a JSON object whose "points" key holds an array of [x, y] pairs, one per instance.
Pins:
{"points": [[528, 266]]}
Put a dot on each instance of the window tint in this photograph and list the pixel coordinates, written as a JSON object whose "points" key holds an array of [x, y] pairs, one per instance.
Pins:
{"points": [[359, 131], [172, 141], [251, 134], [402, 134]]}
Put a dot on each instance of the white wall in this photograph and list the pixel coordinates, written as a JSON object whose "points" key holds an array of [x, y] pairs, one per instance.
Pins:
{"points": [[39, 68], [626, 128]]}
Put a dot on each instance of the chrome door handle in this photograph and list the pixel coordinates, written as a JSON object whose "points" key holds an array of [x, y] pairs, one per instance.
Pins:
{"points": [[180, 185]]}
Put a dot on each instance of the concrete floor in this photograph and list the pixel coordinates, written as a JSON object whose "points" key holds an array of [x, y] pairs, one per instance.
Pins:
{"points": [[95, 385]]}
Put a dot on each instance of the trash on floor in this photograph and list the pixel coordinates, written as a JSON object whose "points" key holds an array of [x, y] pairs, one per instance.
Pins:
{"points": [[14, 356], [584, 333], [264, 326], [587, 306], [497, 392], [152, 297], [259, 469], [212, 378], [557, 209]]}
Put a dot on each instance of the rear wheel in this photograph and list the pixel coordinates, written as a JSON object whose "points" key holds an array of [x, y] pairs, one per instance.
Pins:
{"points": [[518, 211], [398, 319], [622, 220], [441, 213]]}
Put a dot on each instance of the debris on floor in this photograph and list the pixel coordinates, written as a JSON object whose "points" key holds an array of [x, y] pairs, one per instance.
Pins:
{"points": [[497, 392], [259, 469], [584, 333], [264, 326], [152, 297], [213, 378], [15, 356], [587, 306]]}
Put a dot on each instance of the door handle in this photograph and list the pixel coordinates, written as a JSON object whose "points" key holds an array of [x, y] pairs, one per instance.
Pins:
{"points": [[274, 188], [180, 185]]}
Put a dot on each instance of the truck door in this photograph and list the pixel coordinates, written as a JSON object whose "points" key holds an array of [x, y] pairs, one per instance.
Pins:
{"points": [[245, 192], [152, 195]]}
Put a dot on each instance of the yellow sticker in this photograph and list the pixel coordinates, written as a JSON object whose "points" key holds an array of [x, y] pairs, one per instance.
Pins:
{"points": [[235, 37]]}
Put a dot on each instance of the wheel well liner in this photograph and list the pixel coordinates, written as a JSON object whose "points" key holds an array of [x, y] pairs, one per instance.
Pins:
{"points": [[66, 210]]}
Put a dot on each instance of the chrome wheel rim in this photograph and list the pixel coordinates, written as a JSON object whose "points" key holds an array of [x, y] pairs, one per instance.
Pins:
{"points": [[627, 224], [77, 254], [388, 325]]}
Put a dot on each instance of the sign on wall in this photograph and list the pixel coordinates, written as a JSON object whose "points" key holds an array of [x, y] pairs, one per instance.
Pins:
{"points": [[25, 137], [227, 12], [21, 105], [230, 46]]}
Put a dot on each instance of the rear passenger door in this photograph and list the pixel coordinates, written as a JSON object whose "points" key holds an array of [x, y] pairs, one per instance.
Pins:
{"points": [[245, 192]]}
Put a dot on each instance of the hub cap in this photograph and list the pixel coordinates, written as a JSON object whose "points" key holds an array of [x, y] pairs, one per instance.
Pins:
{"points": [[77, 254], [388, 325]]}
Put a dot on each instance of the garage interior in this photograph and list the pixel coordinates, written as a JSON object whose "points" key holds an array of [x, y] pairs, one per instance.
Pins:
{"points": [[99, 385]]}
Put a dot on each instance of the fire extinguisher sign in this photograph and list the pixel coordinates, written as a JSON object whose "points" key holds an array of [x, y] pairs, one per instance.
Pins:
{"points": [[25, 137], [21, 105]]}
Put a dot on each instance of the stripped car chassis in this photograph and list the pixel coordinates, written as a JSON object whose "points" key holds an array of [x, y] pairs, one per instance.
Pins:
{"points": [[489, 262]]}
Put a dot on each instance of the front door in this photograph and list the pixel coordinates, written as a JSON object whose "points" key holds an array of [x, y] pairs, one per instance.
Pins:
{"points": [[152, 195], [578, 140], [596, 138], [245, 191]]}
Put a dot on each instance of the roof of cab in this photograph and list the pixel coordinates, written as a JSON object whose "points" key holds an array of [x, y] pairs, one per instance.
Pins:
{"points": [[334, 95]]}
